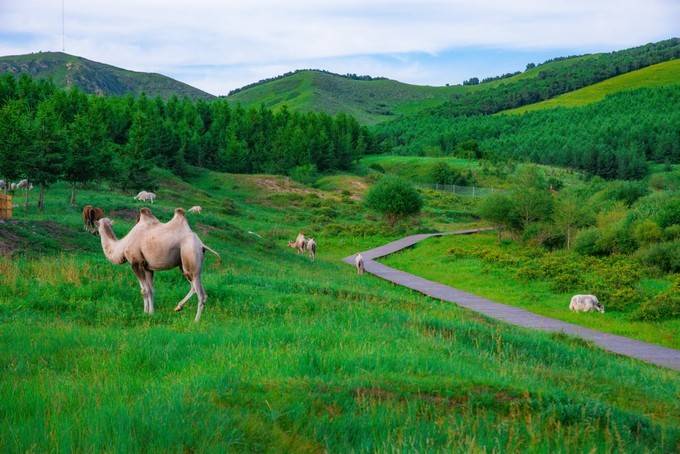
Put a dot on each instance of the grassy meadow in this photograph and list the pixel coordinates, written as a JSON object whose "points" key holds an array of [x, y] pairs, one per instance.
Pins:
{"points": [[459, 262], [290, 355]]}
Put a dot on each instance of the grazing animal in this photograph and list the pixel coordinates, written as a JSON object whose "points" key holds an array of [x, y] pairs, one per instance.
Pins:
{"points": [[585, 303], [23, 184], [2, 184], [90, 217], [299, 243], [359, 263], [145, 196], [12, 187], [195, 209], [154, 246], [310, 247]]}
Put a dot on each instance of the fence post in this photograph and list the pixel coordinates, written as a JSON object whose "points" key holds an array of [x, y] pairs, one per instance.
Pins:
{"points": [[473, 191]]}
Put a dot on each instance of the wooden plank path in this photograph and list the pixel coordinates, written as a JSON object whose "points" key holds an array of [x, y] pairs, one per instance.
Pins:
{"points": [[655, 354]]}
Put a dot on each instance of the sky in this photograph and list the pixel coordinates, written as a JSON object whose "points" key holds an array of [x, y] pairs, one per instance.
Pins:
{"points": [[221, 45]]}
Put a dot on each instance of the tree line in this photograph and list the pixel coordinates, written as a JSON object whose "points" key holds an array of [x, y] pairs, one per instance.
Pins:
{"points": [[613, 138], [47, 134]]}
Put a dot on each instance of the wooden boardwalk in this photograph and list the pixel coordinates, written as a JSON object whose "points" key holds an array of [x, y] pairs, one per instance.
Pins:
{"points": [[655, 354]]}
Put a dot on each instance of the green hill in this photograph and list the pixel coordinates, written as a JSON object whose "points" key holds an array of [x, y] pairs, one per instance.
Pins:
{"points": [[97, 78], [369, 101], [661, 74], [374, 101]]}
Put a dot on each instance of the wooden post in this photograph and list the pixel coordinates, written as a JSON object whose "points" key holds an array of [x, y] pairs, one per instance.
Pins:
{"points": [[5, 206]]}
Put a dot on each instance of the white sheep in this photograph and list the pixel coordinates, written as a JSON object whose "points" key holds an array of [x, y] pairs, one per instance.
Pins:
{"points": [[585, 303]]}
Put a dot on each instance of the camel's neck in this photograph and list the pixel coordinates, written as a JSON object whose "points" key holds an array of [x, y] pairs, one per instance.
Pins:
{"points": [[112, 247]]}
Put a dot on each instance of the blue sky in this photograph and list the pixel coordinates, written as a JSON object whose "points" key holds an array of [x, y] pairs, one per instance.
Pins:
{"points": [[220, 45]]}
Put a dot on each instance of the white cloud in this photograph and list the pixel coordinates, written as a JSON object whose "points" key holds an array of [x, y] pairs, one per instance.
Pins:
{"points": [[245, 39]]}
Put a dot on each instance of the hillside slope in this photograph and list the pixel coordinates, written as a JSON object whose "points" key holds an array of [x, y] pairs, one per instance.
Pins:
{"points": [[661, 74], [94, 77], [369, 101], [378, 100]]}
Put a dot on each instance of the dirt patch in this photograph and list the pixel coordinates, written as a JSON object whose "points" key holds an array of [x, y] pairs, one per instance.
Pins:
{"points": [[129, 214], [277, 184], [41, 237], [9, 241]]}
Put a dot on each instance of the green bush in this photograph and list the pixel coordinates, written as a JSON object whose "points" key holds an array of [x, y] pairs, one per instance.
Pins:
{"points": [[394, 198], [664, 306], [669, 213], [587, 242], [672, 232], [647, 232], [665, 256], [305, 174]]}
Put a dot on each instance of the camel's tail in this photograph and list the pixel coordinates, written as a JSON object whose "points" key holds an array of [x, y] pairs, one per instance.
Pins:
{"points": [[213, 251]]}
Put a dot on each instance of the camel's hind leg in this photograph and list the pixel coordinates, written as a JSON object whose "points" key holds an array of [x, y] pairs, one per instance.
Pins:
{"points": [[198, 287], [181, 304]]}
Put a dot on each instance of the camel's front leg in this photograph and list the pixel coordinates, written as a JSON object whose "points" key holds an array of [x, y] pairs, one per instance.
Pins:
{"points": [[200, 292], [141, 276], [148, 275]]}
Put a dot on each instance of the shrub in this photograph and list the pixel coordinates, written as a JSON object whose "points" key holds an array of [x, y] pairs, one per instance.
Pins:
{"points": [[377, 167], [586, 241], [672, 233], [394, 198], [664, 306], [305, 174], [669, 213], [647, 232], [665, 256]]}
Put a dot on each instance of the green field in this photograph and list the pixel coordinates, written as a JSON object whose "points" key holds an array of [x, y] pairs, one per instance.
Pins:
{"points": [[661, 74], [290, 356], [418, 169], [433, 260]]}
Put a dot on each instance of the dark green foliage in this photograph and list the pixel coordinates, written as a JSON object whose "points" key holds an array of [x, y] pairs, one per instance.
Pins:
{"points": [[613, 138], [394, 198], [442, 173], [664, 306], [665, 256], [56, 134], [669, 213], [587, 241]]}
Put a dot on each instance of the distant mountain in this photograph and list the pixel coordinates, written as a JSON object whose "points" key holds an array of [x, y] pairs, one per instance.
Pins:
{"points": [[98, 78]]}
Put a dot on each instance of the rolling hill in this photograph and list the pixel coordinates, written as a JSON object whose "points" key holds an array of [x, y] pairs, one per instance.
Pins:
{"points": [[369, 101], [94, 77], [661, 74], [381, 100]]}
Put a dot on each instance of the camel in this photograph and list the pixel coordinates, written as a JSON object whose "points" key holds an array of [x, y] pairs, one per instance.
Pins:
{"points": [[154, 246], [90, 216]]}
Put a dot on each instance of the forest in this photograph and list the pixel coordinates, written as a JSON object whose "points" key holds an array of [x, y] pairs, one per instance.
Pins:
{"points": [[614, 138], [48, 134]]}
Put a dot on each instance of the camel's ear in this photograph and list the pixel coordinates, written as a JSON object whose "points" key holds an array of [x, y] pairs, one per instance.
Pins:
{"points": [[179, 211]]}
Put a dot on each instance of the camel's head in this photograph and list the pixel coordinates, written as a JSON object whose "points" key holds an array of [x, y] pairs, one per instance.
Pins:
{"points": [[291, 244]]}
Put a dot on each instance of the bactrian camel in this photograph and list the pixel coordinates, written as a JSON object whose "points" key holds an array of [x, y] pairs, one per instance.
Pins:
{"points": [[154, 246]]}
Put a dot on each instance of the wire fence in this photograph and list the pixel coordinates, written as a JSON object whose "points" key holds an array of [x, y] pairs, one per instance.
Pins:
{"points": [[471, 191]]}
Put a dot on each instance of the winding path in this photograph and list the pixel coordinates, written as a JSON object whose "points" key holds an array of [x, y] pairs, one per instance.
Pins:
{"points": [[655, 354]]}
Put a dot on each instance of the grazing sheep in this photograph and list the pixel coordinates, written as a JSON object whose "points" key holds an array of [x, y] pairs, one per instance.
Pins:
{"points": [[2, 184], [585, 303], [195, 209], [310, 246], [299, 243], [145, 196], [359, 263], [23, 184], [12, 187]]}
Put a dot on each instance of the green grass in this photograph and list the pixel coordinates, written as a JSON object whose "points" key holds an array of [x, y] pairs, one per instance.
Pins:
{"points": [[661, 74], [432, 260], [290, 356], [418, 169], [93, 77]]}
